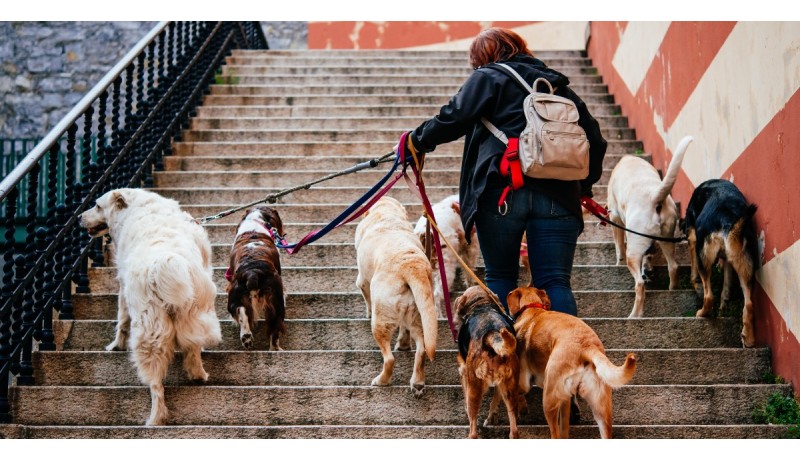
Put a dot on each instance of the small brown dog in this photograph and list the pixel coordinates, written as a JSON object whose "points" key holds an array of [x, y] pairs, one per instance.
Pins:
{"points": [[565, 357], [255, 288], [487, 357]]}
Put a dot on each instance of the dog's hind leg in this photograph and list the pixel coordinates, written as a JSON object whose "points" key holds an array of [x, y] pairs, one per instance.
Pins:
{"points": [[193, 363], [383, 336], [634, 262], [744, 269], [668, 249], [418, 375], [727, 280], [123, 326], [474, 389], [153, 350], [598, 397], [508, 391]]}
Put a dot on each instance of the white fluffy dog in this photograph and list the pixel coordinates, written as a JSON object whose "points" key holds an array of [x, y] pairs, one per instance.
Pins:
{"points": [[639, 200], [395, 279], [448, 218], [166, 290]]}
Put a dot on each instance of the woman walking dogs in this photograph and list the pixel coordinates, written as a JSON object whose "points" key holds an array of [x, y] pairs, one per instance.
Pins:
{"points": [[547, 210]]}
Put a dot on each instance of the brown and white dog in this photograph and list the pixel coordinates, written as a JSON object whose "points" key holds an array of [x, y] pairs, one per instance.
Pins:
{"points": [[448, 218], [719, 225], [487, 357], [166, 290], [255, 287], [564, 357], [394, 277], [639, 200]]}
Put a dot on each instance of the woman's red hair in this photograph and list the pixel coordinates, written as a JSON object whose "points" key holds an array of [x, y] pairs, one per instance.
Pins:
{"points": [[496, 44]]}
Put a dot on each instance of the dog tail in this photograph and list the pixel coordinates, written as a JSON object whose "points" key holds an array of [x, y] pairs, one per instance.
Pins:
{"points": [[168, 280], [613, 376], [502, 342], [418, 278], [672, 170]]}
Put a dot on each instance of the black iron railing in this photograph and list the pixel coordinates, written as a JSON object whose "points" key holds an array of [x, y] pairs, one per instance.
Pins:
{"points": [[116, 136]]}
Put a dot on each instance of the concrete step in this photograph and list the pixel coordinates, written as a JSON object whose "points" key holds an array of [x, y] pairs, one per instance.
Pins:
{"points": [[325, 254], [342, 278], [349, 110], [358, 367], [355, 334], [355, 99], [284, 178], [267, 86], [342, 305], [587, 431], [369, 55], [313, 195], [422, 71], [386, 63], [320, 135], [357, 147], [318, 122], [347, 405]]}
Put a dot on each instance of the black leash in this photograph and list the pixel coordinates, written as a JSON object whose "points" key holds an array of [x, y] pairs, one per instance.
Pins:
{"points": [[599, 211], [274, 197]]}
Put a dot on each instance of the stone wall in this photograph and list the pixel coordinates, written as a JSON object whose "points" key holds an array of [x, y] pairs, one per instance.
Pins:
{"points": [[47, 67]]}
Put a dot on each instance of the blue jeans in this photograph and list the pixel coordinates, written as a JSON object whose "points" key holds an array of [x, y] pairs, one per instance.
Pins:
{"points": [[552, 234]]}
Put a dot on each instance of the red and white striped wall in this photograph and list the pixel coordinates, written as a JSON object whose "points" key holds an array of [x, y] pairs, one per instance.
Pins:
{"points": [[734, 87]]}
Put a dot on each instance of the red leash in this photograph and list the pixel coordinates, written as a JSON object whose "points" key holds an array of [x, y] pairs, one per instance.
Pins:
{"points": [[418, 188]]}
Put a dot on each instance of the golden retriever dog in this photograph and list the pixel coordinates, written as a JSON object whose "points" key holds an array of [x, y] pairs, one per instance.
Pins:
{"points": [[255, 287], [394, 277], [166, 290], [719, 225], [639, 200], [448, 218], [564, 357], [487, 357]]}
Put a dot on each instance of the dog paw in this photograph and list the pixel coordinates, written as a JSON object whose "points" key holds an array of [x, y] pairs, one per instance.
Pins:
{"points": [[247, 341], [491, 420], [402, 346], [417, 389], [378, 382], [114, 346], [748, 340]]}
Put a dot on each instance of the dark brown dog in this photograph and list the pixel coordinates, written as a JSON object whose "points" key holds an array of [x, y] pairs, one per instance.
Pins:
{"points": [[255, 288], [564, 357], [487, 357], [719, 225]]}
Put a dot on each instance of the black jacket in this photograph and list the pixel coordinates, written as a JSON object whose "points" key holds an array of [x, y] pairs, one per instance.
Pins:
{"points": [[494, 94]]}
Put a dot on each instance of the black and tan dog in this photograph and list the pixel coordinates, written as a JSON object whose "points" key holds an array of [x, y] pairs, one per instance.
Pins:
{"points": [[487, 357], [719, 225], [255, 287]]}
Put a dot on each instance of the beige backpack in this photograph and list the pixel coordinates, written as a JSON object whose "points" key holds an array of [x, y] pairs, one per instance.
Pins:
{"points": [[552, 145]]}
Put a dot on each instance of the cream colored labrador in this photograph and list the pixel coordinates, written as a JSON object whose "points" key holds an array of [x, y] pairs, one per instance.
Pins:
{"points": [[396, 281], [639, 200]]}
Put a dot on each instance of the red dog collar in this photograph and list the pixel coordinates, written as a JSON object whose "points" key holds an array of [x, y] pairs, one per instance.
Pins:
{"points": [[531, 305]]}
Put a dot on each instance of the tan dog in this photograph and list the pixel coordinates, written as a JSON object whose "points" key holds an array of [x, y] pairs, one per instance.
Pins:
{"points": [[564, 357], [166, 290], [395, 279], [639, 200], [487, 358]]}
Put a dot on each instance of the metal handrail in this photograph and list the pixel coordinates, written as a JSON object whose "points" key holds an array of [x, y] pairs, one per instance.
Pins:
{"points": [[72, 116], [45, 253]]}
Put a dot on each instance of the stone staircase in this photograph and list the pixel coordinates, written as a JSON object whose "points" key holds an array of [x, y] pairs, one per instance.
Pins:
{"points": [[278, 119]]}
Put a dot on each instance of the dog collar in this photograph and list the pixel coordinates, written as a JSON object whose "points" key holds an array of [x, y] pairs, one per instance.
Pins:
{"points": [[228, 274], [531, 305]]}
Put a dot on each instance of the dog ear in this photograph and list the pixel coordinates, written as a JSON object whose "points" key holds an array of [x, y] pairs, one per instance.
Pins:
{"points": [[544, 298], [118, 200], [512, 300]]}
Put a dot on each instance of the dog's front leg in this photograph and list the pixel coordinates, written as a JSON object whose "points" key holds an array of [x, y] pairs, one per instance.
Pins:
{"points": [[635, 267], [491, 417], [123, 326], [727, 279], [708, 296]]}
